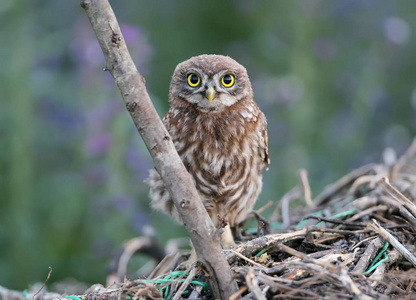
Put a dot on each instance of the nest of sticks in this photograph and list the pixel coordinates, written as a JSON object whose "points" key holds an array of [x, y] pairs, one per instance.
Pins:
{"points": [[356, 240]]}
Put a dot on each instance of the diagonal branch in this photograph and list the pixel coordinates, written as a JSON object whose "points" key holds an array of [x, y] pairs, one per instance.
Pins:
{"points": [[167, 162]]}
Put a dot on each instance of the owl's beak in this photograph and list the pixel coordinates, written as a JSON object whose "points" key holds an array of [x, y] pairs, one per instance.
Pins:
{"points": [[210, 93]]}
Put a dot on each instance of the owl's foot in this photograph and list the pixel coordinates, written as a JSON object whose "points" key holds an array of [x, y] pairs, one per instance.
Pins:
{"points": [[187, 264], [227, 240]]}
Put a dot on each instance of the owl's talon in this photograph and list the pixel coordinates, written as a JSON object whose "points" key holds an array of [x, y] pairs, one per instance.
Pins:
{"points": [[187, 264]]}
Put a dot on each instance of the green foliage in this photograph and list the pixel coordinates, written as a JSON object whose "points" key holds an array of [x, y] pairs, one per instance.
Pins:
{"points": [[336, 80]]}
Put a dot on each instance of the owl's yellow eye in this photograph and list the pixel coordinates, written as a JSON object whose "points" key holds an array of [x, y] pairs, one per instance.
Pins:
{"points": [[193, 80], [228, 80]]}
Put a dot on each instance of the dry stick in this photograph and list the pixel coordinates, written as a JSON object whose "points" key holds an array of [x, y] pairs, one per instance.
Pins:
{"points": [[303, 176], [367, 211], [393, 241], [185, 284], [253, 285], [370, 179], [247, 259], [404, 212], [369, 253], [47, 279], [237, 294], [284, 206], [397, 195], [410, 286], [196, 292], [362, 242], [130, 248], [167, 162], [263, 242], [331, 190], [264, 207]]}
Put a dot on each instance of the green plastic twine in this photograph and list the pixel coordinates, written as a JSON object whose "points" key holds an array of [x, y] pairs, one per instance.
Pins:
{"points": [[174, 275], [375, 262], [73, 297], [261, 252], [373, 267]]}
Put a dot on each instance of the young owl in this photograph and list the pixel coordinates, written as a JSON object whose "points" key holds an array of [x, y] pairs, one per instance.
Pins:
{"points": [[221, 136]]}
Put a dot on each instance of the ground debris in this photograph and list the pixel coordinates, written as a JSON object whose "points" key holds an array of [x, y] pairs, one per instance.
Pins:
{"points": [[356, 240]]}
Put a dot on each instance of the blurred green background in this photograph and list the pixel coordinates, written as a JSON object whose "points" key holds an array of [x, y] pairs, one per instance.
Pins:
{"points": [[336, 80]]}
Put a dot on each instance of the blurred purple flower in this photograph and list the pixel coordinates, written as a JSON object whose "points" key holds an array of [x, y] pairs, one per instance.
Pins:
{"points": [[98, 145], [131, 34]]}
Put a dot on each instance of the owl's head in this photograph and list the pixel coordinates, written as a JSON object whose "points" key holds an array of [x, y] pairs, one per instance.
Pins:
{"points": [[210, 82]]}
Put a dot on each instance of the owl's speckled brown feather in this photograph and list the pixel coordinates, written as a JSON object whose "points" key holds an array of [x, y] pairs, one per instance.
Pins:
{"points": [[222, 144]]}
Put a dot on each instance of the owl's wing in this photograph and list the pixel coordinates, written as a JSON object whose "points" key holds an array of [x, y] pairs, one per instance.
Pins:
{"points": [[264, 141]]}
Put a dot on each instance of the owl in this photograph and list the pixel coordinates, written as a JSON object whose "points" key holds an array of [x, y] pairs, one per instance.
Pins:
{"points": [[221, 136]]}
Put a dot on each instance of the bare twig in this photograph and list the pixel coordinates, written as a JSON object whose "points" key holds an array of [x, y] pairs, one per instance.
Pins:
{"points": [[330, 190], [395, 193], [303, 176], [393, 241], [263, 242], [239, 293], [294, 193], [118, 266], [47, 279], [185, 284], [253, 285], [369, 253], [247, 259]]}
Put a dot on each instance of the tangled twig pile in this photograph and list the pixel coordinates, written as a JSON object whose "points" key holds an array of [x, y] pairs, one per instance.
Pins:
{"points": [[356, 240]]}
